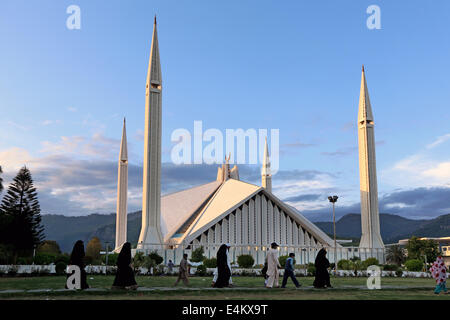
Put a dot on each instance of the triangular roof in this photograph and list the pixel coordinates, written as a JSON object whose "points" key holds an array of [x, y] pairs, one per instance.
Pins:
{"points": [[178, 207], [232, 194]]}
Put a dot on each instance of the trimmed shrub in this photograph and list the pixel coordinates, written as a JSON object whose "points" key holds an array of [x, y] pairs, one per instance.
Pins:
{"points": [[45, 258], [245, 261], [399, 273], [24, 260], [210, 263], [60, 267], [414, 265], [156, 257], [390, 267], [369, 262], [311, 269], [344, 264], [201, 270], [112, 259], [63, 258]]}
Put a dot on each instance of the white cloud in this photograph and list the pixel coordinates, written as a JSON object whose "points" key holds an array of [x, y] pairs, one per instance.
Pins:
{"points": [[50, 122], [97, 146], [423, 169], [13, 159], [438, 141], [439, 172]]}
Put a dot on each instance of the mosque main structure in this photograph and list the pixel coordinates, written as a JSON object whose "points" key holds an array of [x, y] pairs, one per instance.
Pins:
{"points": [[228, 210]]}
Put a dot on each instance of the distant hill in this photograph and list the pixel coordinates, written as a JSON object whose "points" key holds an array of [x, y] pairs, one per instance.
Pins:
{"points": [[67, 230], [393, 227]]}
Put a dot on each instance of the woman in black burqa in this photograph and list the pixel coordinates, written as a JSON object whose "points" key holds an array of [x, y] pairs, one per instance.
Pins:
{"points": [[322, 264], [125, 275], [77, 258], [223, 270]]}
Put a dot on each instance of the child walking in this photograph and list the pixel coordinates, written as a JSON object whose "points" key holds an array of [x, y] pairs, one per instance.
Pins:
{"points": [[439, 272]]}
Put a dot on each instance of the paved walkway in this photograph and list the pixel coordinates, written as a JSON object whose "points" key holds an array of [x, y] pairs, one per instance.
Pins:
{"points": [[181, 288]]}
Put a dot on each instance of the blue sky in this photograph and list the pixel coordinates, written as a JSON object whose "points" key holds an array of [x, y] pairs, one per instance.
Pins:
{"points": [[293, 66]]}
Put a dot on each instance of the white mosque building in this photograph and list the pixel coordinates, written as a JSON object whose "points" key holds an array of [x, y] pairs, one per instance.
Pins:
{"points": [[226, 210]]}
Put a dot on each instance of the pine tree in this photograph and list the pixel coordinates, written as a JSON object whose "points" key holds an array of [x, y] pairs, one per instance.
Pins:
{"points": [[1, 180], [21, 212]]}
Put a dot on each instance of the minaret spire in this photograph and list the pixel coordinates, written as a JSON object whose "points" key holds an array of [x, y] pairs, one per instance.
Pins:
{"points": [[122, 189], [151, 234], [266, 176], [123, 144], [370, 220], [365, 109]]}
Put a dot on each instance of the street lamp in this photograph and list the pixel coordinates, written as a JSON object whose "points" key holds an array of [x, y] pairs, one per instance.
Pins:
{"points": [[333, 200], [107, 251]]}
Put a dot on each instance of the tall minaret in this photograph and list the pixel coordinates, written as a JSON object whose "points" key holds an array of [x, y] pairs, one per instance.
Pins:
{"points": [[122, 189], [370, 220], [266, 176], [151, 194]]}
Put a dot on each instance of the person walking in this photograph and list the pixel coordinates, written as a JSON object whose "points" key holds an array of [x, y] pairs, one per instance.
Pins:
{"points": [[272, 266], [264, 272], [322, 279], [183, 273], [289, 271], [77, 258], [170, 266], [439, 273], [125, 275], [223, 268]]}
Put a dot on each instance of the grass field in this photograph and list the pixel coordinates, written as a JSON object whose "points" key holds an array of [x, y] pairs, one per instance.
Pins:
{"points": [[199, 288]]}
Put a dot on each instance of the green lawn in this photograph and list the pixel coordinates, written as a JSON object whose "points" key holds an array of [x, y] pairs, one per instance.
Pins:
{"points": [[245, 288]]}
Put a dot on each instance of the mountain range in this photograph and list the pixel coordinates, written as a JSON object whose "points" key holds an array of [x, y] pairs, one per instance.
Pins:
{"points": [[66, 230]]}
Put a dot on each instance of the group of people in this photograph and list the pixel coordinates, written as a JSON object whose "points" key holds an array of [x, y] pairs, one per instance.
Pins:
{"points": [[125, 279], [272, 264], [124, 276]]}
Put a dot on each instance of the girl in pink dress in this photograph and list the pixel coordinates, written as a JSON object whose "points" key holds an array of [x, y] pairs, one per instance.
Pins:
{"points": [[439, 272]]}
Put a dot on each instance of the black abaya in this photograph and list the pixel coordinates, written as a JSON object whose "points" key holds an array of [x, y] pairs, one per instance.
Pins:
{"points": [[224, 272], [322, 264], [77, 258], [125, 274]]}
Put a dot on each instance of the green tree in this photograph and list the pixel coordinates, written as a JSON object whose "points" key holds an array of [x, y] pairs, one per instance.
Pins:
{"points": [[197, 255], [21, 215], [93, 249], [156, 257], [396, 255], [418, 249], [49, 246]]}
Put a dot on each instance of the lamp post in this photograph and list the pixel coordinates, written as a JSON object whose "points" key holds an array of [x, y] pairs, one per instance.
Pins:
{"points": [[106, 259], [333, 200]]}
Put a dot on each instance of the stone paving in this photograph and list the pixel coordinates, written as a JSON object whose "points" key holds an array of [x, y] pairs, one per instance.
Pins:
{"points": [[181, 288]]}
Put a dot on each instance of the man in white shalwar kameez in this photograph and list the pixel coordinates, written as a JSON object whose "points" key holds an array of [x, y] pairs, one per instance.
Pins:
{"points": [[272, 266]]}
